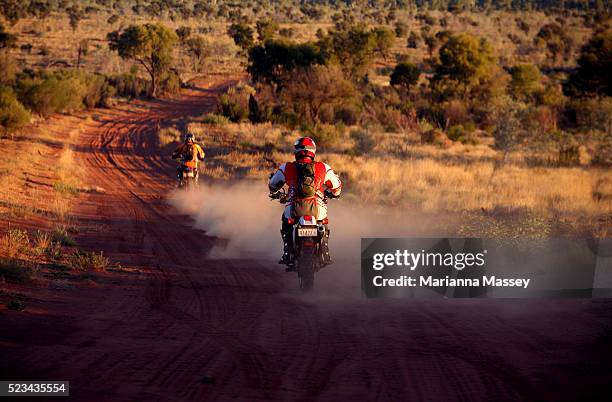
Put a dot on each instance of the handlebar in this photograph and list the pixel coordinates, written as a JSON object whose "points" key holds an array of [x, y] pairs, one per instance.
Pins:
{"points": [[282, 196]]}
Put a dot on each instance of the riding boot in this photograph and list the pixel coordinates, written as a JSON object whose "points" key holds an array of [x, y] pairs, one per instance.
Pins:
{"points": [[325, 257], [287, 237]]}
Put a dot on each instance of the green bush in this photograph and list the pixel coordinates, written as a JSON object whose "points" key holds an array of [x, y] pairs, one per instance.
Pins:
{"points": [[13, 115], [130, 85], [234, 104], [62, 91]]}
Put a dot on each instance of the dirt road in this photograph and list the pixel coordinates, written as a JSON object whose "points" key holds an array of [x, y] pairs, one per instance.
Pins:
{"points": [[176, 325]]}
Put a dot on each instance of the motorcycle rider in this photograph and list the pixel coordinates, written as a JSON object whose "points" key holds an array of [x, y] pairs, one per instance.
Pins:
{"points": [[305, 172], [190, 153]]}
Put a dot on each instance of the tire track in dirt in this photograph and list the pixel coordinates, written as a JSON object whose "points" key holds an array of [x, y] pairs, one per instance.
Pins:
{"points": [[187, 327]]}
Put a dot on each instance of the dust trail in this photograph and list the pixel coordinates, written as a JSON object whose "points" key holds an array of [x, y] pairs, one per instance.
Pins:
{"points": [[243, 214]]}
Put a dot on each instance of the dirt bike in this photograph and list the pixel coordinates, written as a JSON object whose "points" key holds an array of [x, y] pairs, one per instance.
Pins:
{"points": [[308, 235], [189, 179]]}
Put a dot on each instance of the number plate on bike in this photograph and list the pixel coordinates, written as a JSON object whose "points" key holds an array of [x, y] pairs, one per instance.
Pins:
{"points": [[188, 174], [307, 232]]}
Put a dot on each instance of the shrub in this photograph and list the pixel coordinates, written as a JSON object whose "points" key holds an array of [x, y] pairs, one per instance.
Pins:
{"points": [[526, 81], [364, 141], [324, 134], [13, 115], [61, 235], [168, 135], [405, 75], [234, 104], [88, 261], [215, 119], [62, 91], [42, 243], [14, 242], [129, 84]]}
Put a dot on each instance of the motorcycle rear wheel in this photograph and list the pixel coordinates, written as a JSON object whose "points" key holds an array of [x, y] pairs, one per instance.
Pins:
{"points": [[306, 266]]}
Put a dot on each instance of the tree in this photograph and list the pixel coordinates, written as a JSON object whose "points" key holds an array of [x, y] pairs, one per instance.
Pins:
{"points": [[82, 50], [405, 75], [183, 33], [13, 115], [272, 61], [465, 61], [413, 40], [316, 89], [351, 48], [150, 45], [197, 48], [595, 64], [526, 81], [266, 29], [242, 34], [7, 40], [75, 15], [383, 40], [556, 40]]}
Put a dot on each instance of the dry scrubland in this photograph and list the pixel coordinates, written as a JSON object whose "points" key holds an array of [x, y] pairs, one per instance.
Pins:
{"points": [[466, 185]]}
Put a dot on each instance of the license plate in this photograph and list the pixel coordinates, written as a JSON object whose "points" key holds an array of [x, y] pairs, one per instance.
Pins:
{"points": [[307, 232], [188, 174]]}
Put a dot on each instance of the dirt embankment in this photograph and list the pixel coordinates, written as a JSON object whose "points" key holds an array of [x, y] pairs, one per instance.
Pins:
{"points": [[172, 323]]}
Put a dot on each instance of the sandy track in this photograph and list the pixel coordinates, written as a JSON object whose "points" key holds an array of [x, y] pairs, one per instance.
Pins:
{"points": [[184, 327]]}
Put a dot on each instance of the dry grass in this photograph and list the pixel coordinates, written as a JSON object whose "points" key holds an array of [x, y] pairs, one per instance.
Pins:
{"points": [[167, 136], [462, 182]]}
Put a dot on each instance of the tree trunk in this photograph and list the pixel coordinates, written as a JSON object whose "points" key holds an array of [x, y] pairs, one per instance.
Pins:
{"points": [[153, 85]]}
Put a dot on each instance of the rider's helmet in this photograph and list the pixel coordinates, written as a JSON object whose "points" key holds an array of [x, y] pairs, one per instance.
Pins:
{"points": [[305, 147], [189, 138]]}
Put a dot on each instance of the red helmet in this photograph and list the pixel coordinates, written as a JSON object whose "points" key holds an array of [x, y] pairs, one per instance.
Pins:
{"points": [[305, 147]]}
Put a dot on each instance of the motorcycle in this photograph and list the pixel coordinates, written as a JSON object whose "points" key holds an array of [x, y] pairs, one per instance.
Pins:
{"points": [[189, 179], [308, 236]]}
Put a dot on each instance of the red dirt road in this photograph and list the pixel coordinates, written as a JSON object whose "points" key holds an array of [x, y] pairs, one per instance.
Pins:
{"points": [[177, 326]]}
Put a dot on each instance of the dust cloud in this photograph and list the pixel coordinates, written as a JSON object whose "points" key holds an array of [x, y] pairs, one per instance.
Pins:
{"points": [[249, 221]]}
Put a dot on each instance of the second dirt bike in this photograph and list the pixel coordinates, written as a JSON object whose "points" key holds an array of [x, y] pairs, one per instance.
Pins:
{"points": [[308, 236], [189, 178]]}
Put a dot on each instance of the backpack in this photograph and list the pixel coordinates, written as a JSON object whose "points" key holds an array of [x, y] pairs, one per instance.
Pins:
{"points": [[305, 202], [188, 153], [306, 180]]}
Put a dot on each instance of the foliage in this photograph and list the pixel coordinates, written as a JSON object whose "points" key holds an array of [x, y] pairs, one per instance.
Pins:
{"points": [[275, 59], [234, 104], [88, 261], [150, 45], [62, 91], [13, 115], [168, 135], [465, 61], [242, 34], [555, 39], [364, 141], [526, 81], [7, 39], [197, 47], [595, 64], [352, 48], [315, 93], [266, 29], [405, 75]]}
